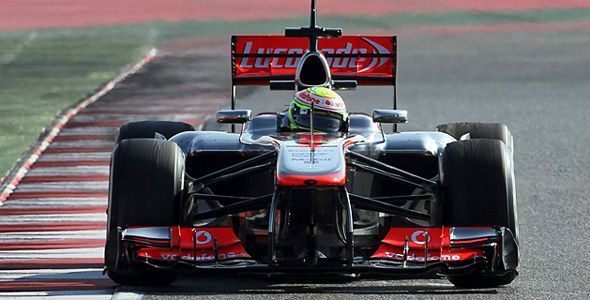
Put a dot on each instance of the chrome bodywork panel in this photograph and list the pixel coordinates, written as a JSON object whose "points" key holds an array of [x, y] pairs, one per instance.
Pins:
{"points": [[303, 161], [430, 143], [417, 142]]}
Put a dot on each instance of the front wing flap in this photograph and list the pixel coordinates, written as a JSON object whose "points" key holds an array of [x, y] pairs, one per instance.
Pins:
{"points": [[443, 250]]}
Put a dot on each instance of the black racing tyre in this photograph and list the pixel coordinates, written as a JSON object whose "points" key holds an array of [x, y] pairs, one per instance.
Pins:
{"points": [[478, 187], [494, 131], [145, 189], [148, 129]]}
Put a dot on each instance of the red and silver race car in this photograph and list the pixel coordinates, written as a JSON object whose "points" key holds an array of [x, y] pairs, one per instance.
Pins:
{"points": [[273, 200]]}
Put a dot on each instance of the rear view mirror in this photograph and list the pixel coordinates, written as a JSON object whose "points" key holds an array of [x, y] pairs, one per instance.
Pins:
{"points": [[391, 116], [235, 116]]}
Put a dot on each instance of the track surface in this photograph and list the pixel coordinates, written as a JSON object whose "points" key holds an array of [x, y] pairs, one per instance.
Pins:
{"points": [[535, 82]]}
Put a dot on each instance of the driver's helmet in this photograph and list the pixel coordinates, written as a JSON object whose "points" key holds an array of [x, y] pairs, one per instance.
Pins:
{"points": [[329, 110]]}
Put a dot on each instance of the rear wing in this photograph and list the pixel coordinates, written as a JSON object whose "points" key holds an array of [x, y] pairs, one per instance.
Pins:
{"points": [[258, 59]]}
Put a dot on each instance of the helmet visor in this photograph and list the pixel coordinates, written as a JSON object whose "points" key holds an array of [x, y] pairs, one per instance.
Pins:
{"points": [[322, 120]]}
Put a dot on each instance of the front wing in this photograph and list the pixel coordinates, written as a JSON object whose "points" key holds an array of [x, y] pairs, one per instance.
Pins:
{"points": [[421, 250]]}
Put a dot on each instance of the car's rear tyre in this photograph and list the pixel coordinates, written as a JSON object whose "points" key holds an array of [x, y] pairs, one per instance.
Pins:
{"points": [[148, 129], [145, 189], [493, 131], [477, 182]]}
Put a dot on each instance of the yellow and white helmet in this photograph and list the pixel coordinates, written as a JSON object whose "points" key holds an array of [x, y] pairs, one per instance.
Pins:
{"points": [[329, 110]]}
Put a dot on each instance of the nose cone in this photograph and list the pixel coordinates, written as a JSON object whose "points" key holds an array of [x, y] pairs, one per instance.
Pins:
{"points": [[302, 165]]}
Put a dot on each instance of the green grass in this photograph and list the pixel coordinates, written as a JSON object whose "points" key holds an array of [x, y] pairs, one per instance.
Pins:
{"points": [[44, 71]]}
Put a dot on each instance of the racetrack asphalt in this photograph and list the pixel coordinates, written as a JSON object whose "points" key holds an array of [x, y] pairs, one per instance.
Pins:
{"points": [[535, 82]]}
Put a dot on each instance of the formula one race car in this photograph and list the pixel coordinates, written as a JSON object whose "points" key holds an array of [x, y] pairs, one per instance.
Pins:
{"points": [[278, 199]]}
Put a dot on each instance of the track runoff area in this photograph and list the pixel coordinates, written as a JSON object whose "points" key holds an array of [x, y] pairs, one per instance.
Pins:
{"points": [[52, 218]]}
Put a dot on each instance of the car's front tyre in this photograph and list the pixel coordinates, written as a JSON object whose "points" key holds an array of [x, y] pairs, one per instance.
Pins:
{"points": [[478, 188], [489, 131], [146, 183]]}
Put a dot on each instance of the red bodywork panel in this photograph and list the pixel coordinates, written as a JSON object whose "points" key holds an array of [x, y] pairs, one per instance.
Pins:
{"points": [[336, 179], [392, 246], [371, 60], [197, 245]]}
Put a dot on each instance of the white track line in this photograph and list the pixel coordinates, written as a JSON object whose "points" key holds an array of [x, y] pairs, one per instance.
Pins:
{"points": [[65, 295], [71, 156], [77, 170], [74, 253], [62, 186], [127, 296], [48, 274], [52, 235], [53, 218], [55, 202], [58, 199]]}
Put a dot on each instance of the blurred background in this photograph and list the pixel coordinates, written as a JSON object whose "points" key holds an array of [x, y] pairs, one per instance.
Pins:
{"points": [[53, 53]]}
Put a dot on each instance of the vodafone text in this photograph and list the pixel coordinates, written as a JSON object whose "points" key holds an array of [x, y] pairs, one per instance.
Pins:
{"points": [[202, 257], [413, 257]]}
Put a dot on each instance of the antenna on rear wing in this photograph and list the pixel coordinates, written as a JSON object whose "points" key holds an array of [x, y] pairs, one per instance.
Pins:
{"points": [[313, 60], [313, 32], [311, 137], [313, 42], [313, 16]]}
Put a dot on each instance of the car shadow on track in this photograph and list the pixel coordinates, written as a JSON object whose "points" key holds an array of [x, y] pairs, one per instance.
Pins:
{"points": [[260, 285]]}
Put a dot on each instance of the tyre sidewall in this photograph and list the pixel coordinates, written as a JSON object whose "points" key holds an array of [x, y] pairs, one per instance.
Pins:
{"points": [[146, 188]]}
